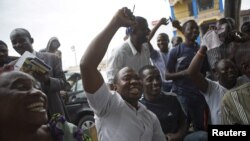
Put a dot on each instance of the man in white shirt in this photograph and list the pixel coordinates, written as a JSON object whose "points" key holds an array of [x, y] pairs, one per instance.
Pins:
{"points": [[226, 73], [134, 52], [119, 115]]}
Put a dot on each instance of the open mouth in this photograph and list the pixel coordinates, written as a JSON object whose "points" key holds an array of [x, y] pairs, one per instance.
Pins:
{"points": [[134, 90], [38, 106]]}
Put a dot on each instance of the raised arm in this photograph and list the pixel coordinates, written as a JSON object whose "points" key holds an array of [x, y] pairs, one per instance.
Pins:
{"points": [[91, 77], [163, 21], [194, 70], [177, 25]]}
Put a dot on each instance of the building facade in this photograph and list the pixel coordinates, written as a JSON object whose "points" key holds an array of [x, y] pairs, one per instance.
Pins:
{"points": [[204, 12]]}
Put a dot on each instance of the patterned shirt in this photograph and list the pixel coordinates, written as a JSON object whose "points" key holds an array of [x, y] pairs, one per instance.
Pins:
{"points": [[235, 106], [62, 130]]}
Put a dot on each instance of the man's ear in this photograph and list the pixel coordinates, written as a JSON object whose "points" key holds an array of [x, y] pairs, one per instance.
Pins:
{"points": [[32, 40]]}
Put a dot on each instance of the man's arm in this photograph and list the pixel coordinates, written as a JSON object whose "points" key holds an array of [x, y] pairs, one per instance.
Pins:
{"points": [[163, 21], [194, 70], [91, 77]]}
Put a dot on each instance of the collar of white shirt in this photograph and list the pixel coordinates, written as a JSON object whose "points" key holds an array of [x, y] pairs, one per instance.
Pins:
{"points": [[132, 47]]}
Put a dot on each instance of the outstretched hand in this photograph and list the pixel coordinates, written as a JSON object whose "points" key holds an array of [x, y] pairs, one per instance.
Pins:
{"points": [[164, 21], [176, 24]]}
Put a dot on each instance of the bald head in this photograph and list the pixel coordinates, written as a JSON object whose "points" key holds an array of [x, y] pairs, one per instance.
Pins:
{"points": [[8, 77]]}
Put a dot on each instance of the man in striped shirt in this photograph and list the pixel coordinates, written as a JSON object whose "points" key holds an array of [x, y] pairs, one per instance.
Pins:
{"points": [[236, 102]]}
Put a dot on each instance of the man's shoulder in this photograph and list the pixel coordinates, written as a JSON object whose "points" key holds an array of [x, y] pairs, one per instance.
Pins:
{"points": [[47, 55], [124, 47], [240, 89]]}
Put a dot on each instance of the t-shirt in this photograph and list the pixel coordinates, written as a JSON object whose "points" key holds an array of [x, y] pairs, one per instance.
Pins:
{"points": [[117, 120], [168, 110], [179, 58]]}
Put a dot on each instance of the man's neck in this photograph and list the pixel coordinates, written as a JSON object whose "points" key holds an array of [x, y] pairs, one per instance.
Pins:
{"points": [[137, 45]]}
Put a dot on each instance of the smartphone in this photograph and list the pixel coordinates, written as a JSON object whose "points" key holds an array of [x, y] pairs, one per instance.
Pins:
{"points": [[170, 19]]}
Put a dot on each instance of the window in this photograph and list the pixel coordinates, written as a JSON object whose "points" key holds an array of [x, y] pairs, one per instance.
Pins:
{"points": [[205, 4], [245, 19]]}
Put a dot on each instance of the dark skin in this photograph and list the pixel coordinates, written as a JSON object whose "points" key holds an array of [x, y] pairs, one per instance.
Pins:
{"points": [[162, 39], [139, 34], [22, 42], [23, 109], [91, 77], [191, 32], [151, 81], [176, 41], [129, 86], [225, 71], [162, 42], [3, 54]]}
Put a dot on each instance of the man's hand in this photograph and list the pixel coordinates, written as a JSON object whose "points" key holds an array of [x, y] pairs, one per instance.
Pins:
{"points": [[42, 77], [164, 21], [124, 17]]}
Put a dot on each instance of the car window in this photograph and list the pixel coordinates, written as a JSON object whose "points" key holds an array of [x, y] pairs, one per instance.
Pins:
{"points": [[79, 85]]}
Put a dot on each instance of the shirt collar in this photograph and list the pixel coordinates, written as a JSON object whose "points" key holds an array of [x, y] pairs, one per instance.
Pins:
{"points": [[34, 52], [132, 47]]}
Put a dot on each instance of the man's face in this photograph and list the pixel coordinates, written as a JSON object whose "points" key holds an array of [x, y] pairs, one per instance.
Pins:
{"points": [[54, 46], [129, 85], [162, 42], [21, 102], [21, 42], [222, 31], [3, 53], [226, 71], [191, 31], [142, 31], [151, 83]]}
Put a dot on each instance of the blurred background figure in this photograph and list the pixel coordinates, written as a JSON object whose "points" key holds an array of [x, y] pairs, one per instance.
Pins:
{"points": [[176, 40], [53, 46]]}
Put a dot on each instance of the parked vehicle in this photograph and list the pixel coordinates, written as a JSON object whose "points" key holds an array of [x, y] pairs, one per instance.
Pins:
{"points": [[76, 103]]}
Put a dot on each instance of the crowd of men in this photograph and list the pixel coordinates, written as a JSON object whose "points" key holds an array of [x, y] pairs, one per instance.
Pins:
{"points": [[151, 94]]}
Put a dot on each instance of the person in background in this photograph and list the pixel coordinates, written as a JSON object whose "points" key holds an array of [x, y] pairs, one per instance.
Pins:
{"points": [[235, 105], [176, 40], [51, 82], [227, 75], [118, 114], [5, 59], [159, 58], [53, 46], [245, 29], [134, 52], [24, 115], [3, 54], [189, 96]]}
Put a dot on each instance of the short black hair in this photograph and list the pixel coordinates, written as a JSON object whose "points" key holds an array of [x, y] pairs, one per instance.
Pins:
{"points": [[163, 34], [245, 27], [3, 43], [25, 31], [138, 19], [146, 67], [189, 21]]}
